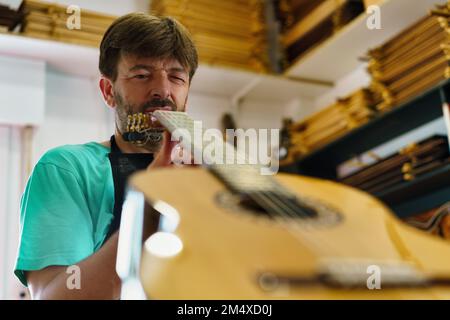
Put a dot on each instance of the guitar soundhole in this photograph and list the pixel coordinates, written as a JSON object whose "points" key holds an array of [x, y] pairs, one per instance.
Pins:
{"points": [[272, 205], [310, 211]]}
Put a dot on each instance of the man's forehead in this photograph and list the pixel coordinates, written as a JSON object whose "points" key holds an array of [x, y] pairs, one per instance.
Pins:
{"points": [[128, 62]]}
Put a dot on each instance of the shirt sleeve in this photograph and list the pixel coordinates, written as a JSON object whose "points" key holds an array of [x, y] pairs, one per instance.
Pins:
{"points": [[56, 225]]}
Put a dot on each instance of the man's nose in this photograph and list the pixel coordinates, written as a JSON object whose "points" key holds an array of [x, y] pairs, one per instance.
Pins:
{"points": [[160, 86]]}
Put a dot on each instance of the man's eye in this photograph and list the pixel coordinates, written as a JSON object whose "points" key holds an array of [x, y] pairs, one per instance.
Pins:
{"points": [[141, 76], [179, 79]]}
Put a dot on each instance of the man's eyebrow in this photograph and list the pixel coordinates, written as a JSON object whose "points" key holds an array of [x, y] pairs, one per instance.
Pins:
{"points": [[178, 69], [140, 66], [149, 68]]}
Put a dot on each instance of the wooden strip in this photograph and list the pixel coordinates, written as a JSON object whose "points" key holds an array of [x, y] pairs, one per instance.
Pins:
{"points": [[414, 48], [311, 138], [419, 73], [245, 66], [416, 53], [313, 117], [205, 49], [406, 67], [235, 12], [320, 126], [85, 28], [194, 27], [223, 42], [418, 88], [323, 123], [225, 5], [402, 66], [405, 36], [210, 16], [244, 24], [34, 5], [318, 143], [37, 27], [47, 19], [321, 13]]}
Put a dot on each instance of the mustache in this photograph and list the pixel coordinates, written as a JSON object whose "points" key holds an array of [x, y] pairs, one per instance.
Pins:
{"points": [[159, 103]]}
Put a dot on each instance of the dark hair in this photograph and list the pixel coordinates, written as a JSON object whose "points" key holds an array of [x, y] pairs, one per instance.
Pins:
{"points": [[146, 35]]}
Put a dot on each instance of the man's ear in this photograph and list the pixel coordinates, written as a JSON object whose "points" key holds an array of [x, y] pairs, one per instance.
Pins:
{"points": [[106, 87]]}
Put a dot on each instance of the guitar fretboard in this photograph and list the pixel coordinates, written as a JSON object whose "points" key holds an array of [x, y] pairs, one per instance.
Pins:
{"points": [[236, 168]]}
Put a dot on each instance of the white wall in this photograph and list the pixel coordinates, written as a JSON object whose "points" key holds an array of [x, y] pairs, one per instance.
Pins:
{"points": [[75, 113], [351, 82], [11, 186], [18, 76], [269, 114], [298, 109], [209, 109], [22, 99]]}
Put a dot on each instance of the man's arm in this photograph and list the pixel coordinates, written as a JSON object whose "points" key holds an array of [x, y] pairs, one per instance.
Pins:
{"points": [[98, 277]]}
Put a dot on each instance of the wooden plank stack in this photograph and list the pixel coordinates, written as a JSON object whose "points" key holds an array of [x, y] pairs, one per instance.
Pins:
{"points": [[9, 18], [229, 33], [413, 61], [330, 123], [306, 24], [435, 221], [405, 165], [49, 21]]}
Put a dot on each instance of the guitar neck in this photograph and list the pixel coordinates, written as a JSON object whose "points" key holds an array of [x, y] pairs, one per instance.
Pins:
{"points": [[235, 168]]}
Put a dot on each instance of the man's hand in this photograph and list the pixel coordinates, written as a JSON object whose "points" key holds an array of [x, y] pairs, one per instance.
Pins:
{"points": [[163, 158], [169, 148]]}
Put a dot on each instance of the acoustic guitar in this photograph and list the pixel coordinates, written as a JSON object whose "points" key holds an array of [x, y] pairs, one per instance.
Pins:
{"points": [[228, 232]]}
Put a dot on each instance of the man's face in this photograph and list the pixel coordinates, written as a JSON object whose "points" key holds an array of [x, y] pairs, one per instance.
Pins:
{"points": [[146, 84]]}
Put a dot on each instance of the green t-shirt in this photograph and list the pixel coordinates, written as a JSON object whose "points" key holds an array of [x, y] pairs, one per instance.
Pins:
{"points": [[66, 208]]}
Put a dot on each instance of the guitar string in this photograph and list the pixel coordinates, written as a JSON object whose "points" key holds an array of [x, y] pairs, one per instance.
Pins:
{"points": [[321, 242], [318, 243]]}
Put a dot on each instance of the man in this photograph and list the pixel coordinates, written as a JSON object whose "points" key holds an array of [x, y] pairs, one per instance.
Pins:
{"points": [[70, 210]]}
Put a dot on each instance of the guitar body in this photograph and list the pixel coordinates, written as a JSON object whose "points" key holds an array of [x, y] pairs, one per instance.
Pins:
{"points": [[229, 253]]}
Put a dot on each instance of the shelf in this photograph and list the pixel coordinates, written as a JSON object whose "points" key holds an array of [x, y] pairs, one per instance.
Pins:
{"points": [[211, 80], [423, 193], [387, 126], [341, 54], [227, 82], [68, 58]]}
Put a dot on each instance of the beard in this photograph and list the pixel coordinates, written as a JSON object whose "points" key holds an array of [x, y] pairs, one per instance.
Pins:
{"points": [[124, 109]]}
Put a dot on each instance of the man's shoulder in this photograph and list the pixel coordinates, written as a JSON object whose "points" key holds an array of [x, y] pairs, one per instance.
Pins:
{"points": [[75, 155]]}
